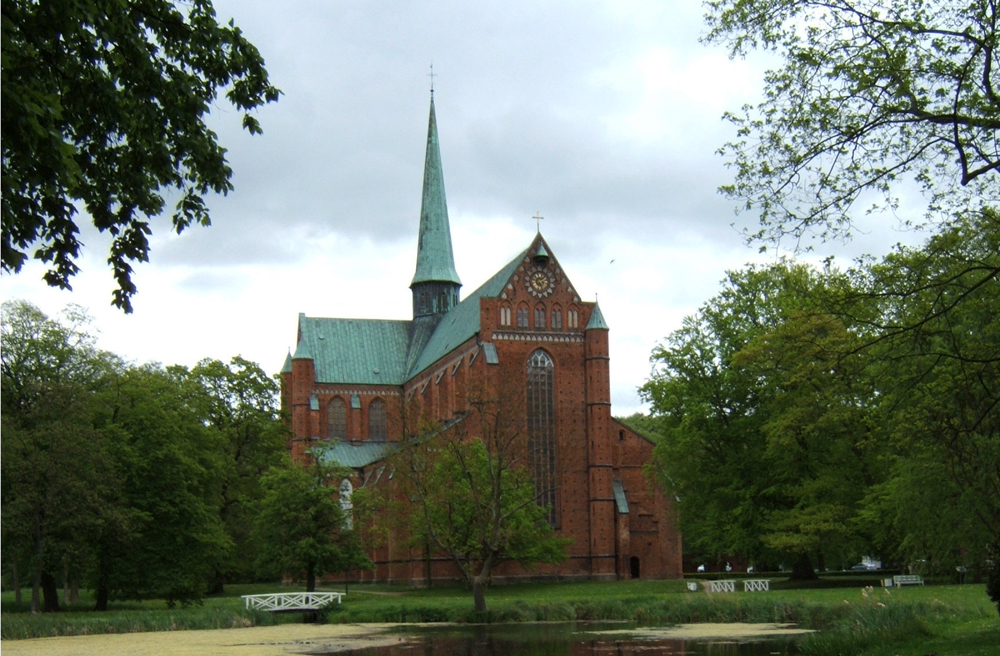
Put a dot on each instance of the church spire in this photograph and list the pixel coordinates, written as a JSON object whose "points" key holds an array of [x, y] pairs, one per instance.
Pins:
{"points": [[435, 283]]}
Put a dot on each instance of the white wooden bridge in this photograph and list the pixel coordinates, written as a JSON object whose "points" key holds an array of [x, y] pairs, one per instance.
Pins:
{"points": [[292, 602]]}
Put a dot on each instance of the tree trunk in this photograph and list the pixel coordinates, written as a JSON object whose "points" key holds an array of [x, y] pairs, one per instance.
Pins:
{"points": [[102, 596], [17, 581], [65, 598], [803, 569], [36, 586], [311, 578], [479, 593], [74, 589], [51, 590]]}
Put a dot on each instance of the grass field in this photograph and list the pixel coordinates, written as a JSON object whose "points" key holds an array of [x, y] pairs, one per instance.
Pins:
{"points": [[949, 620]]}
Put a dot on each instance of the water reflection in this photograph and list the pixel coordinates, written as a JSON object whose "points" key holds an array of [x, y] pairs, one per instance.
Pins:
{"points": [[565, 640]]}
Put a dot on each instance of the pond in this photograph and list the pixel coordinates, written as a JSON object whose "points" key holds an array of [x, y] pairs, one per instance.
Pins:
{"points": [[579, 639]]}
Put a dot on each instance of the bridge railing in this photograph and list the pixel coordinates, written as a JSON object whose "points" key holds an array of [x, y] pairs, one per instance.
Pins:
{"points": [[291, 601]]}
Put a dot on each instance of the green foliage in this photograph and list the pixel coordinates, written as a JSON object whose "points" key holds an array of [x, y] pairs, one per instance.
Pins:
{"points": [[241, 405], [937, 356], [841, 415], [170, 464], [104, 107], [59, 474], [134, 480], [763, 425], [300, 528], [477, 514], [471, 498], [870, 94]]}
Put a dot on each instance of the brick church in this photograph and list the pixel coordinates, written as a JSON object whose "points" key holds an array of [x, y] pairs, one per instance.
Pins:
{"points": [[349, 381]]}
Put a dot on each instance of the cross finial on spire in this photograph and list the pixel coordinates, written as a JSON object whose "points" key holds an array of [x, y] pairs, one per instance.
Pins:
{"points": [[432, 75], [538, 220]]}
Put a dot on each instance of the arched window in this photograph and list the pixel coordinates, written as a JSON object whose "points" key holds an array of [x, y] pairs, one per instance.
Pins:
{"points": [[522, 316], [557, 317], [504, 315], [346, 490], [572, 318], [540, 317], [337, 419], [376, 420], [541, 431]]}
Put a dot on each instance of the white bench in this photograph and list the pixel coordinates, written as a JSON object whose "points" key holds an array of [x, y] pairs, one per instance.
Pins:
{"points": [[907, 579], [756, 585], [722, 586]]}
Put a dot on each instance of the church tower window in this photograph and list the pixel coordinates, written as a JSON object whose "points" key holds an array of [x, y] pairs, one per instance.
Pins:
{"points": [[522, 316], [541, 431], [540, 317], [504, 315], [337, 419], [376, 420], [557, 317], [572, 318]]}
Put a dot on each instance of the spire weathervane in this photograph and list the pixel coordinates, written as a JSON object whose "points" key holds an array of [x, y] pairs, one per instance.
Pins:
{"points": [[432, 75], [538, 221]]}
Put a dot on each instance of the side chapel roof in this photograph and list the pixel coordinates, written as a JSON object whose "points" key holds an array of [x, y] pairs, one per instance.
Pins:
{"points": [[357, 351]]}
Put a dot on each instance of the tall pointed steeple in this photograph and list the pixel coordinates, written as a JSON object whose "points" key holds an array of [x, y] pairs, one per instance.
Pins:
{"points": [[435, 283]]}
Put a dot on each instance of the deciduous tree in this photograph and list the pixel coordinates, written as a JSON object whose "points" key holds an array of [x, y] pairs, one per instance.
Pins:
{"points": [[469, 495], [104, 107], [241, 405], [300, 528], [761, 422], [869, 94]]}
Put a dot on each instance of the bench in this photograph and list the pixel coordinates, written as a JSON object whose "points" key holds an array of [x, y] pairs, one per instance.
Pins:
{"points": [[291, 602], [907, 579], [756, 585], [722, 586]]}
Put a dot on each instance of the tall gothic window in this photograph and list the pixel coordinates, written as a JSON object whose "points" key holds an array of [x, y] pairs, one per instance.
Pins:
{"points": [[556, 317], [540, 317], [346, 490], [376, 420], [522, 316], [337, 420], [504, 315], [541, 431]]}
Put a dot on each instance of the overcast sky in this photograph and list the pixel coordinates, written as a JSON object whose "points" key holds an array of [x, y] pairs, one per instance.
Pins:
{"points": [[602, 116]]}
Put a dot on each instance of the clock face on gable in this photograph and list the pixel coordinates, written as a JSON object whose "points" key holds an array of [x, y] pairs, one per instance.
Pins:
{"points": [[539, 282]]}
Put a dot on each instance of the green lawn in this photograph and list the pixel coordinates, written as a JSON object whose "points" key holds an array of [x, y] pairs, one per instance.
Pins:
{"points": [[950, 620]]}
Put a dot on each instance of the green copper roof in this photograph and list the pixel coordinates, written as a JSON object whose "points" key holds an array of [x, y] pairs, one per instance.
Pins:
{"points": [[463, 321], [359, 351], [435, 261], [287, 367], [354, 455], [597, 319]]}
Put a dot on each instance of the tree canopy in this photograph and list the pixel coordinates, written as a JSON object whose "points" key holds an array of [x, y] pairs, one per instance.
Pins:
{"points": [[469, 496], [104, 108], [301, 528], [840, 414], [135, 480], [870, 94]]}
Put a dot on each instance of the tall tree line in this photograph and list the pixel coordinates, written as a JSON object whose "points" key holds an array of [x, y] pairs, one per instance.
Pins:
{"points": [[812, 416], [130, 480]]}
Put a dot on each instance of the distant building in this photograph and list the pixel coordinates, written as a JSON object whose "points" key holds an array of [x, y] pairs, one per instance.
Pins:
{"points": [[349, 380]]}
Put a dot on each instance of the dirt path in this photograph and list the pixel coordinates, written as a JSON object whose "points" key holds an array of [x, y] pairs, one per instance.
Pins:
{"points": [[309, 639], [254, 641]]}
